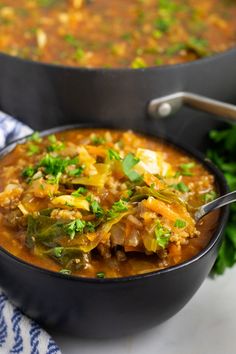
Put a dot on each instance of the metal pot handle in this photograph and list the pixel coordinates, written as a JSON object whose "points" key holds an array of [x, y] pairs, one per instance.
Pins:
{"points": [[167, 105]]}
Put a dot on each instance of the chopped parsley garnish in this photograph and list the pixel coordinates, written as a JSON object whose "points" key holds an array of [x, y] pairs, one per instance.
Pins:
{"points": [[52, 139], [90, 227], [80, 191], [101, 275], [198, 45], [71, 39], [76, 172], [65, 271], [113, 155], [180, 224], [76, 226], [28, 172], [54, 179], [127, 194], [96, 209], [79, 54], [35, 137], [126, 36], [127, 164], [185, 169], [53, 165], [58, 251], [138, 63], [209, 197], [97, 140], [163, 24], [55, 144], [118, 207], [33, 149], [162, 235], [181, 186]]}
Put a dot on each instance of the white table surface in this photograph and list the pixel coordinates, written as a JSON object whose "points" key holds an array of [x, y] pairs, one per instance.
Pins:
{"points": [[206, 325]]}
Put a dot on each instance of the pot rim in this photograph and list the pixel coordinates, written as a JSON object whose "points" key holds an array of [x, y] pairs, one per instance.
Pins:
{"points": [[219, 179], [118, 69]]}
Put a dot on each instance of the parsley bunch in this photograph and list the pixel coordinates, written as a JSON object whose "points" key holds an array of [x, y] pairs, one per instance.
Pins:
{"points": [[222, 153]]}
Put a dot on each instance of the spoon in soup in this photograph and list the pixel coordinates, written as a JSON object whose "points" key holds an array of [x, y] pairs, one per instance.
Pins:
{"points": [[215, 204]]}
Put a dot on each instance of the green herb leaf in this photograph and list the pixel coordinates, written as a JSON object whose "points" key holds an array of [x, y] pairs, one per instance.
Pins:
{"points": [[90, 227], [52, 138], [100, 275], [127, 194], [79, 54], [35, 137], [181, 186], [138, 63], [162, 235], [28, 172], [127, 164], [54, 179], [180, 224], [163, 24], [80, 191], [65, 271], [96, 209], [113, 155], [76, 226], [118, 207], [209, 197], [199, 45], [126, 36], [53, 165], [57, 251], [55, 144], [76, 172], [186, 168], [47, 3], [97, 140], [222, 152], [33, 149], [71, 39]]}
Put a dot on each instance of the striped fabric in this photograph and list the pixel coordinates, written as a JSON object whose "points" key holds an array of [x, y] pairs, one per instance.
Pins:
{"points": [[19, 334]]}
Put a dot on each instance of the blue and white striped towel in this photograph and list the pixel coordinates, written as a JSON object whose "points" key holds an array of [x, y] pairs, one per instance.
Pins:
{"points": [[19, 334]]}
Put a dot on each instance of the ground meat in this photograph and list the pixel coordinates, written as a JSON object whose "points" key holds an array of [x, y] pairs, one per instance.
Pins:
{"points": [[66, 214], [10, 197]]}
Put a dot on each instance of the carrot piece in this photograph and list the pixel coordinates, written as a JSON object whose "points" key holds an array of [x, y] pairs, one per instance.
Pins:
{"points": [[96, 150], [150, 179], [160, 207]]}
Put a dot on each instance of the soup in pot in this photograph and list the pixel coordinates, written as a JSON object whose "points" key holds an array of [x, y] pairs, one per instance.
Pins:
{"points": [[105, 33]]}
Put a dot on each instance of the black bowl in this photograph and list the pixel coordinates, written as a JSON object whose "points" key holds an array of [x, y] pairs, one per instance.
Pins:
{"points": [[89, 307]]}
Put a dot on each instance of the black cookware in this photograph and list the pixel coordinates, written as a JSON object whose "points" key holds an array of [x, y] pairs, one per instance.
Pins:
{"points": [[44, 95]]}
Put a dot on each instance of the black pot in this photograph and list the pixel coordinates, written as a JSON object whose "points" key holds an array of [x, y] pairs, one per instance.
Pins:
{"points": [[109, 307], [44, 95]]}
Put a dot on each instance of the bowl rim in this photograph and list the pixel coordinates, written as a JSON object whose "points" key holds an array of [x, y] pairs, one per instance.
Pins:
{"points": [[219, 179], [115, 70]]}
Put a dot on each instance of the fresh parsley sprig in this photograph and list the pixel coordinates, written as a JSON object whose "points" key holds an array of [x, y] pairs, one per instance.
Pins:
{"points": [[222, 153]]}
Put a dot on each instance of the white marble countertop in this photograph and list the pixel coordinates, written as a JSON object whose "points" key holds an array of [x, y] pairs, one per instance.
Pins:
{"points": [[206, 325]]}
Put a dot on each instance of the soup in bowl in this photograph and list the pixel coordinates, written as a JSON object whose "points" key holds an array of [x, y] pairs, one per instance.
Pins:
{"points": [[102, 203], [98, 236]]}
